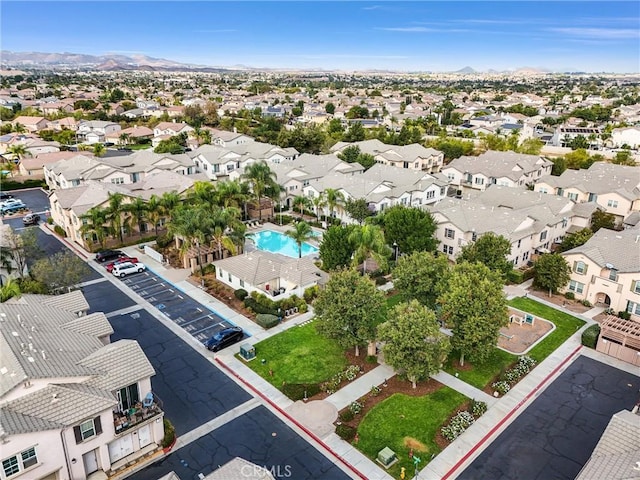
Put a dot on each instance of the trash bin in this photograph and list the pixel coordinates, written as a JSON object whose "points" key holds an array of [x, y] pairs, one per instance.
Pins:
{"points": [[247, 351]]}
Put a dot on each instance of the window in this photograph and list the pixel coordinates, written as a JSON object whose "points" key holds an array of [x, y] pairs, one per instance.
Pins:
{"points": [[633, 307], [576, 286], [474, 236], [525, 256], [19, 462], [451, 176], [565, 222], [580, 267], [442, 190], [593, 197], [445, 249], [573, 196], [128, 396], [450, 250], [543, 190], [229, 276], [636, 286], [87, 429], [543, 235], [448, 233], [242, 283], [431, 194], [118, 180], [479, 181], [613, 275]]}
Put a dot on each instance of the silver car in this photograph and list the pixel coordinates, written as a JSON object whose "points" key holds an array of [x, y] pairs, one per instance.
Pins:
{"points": [[126, 268]]}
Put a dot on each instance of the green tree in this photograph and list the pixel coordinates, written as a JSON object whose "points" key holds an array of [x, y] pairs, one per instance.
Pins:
{"points": [[115, 209], [350, 154], [355, 133], [358, 209], [368, 241], [421, 276], [194, 226], [575, 239], [335, 249], [19, 151], [600, 219], [138, 210], [301, 202], [412, 229], [61, 271], [261, 178], [20, 248], [551, 271], [347, 309], [330, 108], [94, 223], [475, 307], [491, 250], [334, 198], [8, 290], [154, 212], [624, 158], [414, 345], [300, 234], [169, 201]]}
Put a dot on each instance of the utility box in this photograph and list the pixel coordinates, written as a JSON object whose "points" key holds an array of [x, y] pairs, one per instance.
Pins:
{"points": [[387, 457], [247, 351]]}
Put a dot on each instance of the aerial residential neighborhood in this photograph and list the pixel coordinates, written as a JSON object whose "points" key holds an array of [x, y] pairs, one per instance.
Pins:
{"points": [[341, 255]]}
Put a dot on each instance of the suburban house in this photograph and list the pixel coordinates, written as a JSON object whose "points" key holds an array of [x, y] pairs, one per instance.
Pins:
{"points": [[67, 173], [629, 136], [530, 221], [72, 404], [68, 123], [130, 135], [565, 134], [222, 138], [96, 131], [31, 124], [269, 273], [606, 270], [413, 157], [508, 169], [166, 130], [616, 188], [34, 166]]}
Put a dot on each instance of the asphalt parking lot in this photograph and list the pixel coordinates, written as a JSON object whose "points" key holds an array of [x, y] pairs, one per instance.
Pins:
{"points": [[554, 437]]}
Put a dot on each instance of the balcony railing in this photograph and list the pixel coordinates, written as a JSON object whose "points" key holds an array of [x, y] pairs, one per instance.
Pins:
{"points": [[123, 421]]}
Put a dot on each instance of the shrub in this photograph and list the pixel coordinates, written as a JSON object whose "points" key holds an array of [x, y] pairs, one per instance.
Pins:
{"points": [[356, 407], [501, 387], [345, 432], [381, 281], [590, 336], [586, 303], [351, 372], [6, 184], [375, 391], [371, 359], [478, 408], [311, 293], [624, 315], [458, 424], [60, 231], [49, 220], [251, 303], [528, 274], [347, 416], [240, 294], [296, 391], [570, 296], [164, 241], [169, 433], [515, 277], [266, 320]]}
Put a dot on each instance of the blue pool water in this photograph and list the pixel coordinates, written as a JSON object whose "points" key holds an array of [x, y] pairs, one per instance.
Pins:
{"points": [[276, 242]]}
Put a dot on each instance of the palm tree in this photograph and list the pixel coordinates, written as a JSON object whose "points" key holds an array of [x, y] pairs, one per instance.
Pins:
{"points": [[301, 233], [334, 198], [99, 149], [19, 151], [261, 178], [194, 226], [94, 222], [114, 214], [231, 193], [223, 221], [154, 211], [138, 210], [9, 290], [124, 138], [203, 192], [19, 128], [169, 202], [318, 203], [301, 202], [368, 241]]}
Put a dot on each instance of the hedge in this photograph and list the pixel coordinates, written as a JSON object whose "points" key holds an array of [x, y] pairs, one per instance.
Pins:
{"points": [[240, 294], [590, 336], [296, 391], [345, 432], [6, 185], [59, 230], [266, 320], [251, 303]]}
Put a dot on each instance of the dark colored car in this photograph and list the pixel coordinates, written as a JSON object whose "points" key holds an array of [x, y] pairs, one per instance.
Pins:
{"points": [[5, 196], [117, 261], [106, 255], [224, 338], [31, 219]]}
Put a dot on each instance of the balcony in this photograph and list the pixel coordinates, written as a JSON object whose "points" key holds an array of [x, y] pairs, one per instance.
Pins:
{"points": [[123, 421]]}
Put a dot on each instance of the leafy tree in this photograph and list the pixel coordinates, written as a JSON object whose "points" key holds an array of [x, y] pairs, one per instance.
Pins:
{"points": [[357, 111], [474, 305], [421, 276], [575, 239], [172, 145], [412, 229], [355, 133], [116, 95], [305, 139], [452, 147], [350, 154], [99, 149], [193, 115], [551, 271], [491, 250], [61, 271], [414, 344], [601, 219], [368, 241], [531, 146], [358, 209], [300, 234], [330, 108], [580, 141], [335, 249], [624, 158], [347, 309], [578, 159], [559, 166]]}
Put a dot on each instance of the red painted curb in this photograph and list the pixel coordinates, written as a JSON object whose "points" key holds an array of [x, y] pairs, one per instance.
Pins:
{"points": [[290, 418], [509, 415], [168, 449]]}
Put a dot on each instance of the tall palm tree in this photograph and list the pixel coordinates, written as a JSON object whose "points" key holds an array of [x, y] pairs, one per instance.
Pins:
{"points": [[318, 203], [193, 225], [223, 221], [114, 214], [231, 193], [368, 241], [19, 151], [203, 192], [154, 211], [138, 210], [301, 233], [19, 128], [301, 202], [99, 149], [261, 178], [124, 138], [169, 201], [334, 198], [94, 222]]}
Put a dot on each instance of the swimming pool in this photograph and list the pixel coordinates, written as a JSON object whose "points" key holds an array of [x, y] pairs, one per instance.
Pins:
{"points": [[276, 242]]}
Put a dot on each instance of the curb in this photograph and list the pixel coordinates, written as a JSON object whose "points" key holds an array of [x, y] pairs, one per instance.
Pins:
{"points": [[510, 414], [291, 419]]}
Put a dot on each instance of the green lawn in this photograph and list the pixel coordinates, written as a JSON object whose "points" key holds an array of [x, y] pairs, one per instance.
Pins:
{"points": [[390, 302], [481, 374], [566, 325], [400, 416], [298, 355]]}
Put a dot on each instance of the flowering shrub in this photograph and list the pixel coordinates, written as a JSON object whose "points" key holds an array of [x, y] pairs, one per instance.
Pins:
{"points": [[351, 372], [375, 391], [501, 387], [478, 408], [459, 423], [356, 407], [511, 376]]}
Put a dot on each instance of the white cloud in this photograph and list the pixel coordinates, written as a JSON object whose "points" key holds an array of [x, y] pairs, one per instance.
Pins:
{"points": [[599, 33]]}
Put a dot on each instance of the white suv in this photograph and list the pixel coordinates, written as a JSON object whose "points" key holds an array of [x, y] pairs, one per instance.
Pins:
{"points": [[124, 269]]}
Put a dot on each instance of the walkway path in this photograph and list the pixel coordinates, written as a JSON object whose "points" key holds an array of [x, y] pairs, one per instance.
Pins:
{"points": [[463, 387], [360, 387]]}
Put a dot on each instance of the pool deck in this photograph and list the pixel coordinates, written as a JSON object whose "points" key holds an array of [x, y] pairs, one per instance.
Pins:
{"points": [[250, 245]]}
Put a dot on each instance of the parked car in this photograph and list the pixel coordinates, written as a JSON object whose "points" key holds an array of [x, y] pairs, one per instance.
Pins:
{"points": [[118, 261], [12, 208], [106, 255], [224, 338], [31, 219], [123, 269], [10, 202], [5, 196]]}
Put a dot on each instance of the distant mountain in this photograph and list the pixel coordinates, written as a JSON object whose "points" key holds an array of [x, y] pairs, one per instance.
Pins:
{"points": [[466, 70]]}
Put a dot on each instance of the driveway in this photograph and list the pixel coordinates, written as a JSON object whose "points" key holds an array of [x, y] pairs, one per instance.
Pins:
{"points": [[257, 436], [554, 437]]}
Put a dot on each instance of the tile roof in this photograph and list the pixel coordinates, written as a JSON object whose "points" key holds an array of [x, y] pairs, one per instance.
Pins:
{"points": [[95, 324], [500, 164], [619, 249], [73, 301]]}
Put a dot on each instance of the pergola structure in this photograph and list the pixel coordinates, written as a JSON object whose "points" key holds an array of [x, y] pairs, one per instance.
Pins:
{"points": [[621, 339]]}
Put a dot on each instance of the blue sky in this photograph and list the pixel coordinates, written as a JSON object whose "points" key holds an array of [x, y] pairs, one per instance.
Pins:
{"points": [[406, 36]]}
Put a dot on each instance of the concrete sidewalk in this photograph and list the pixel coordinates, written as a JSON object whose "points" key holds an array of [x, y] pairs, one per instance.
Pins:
{"points": [[463, 387], [360, 387]]}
